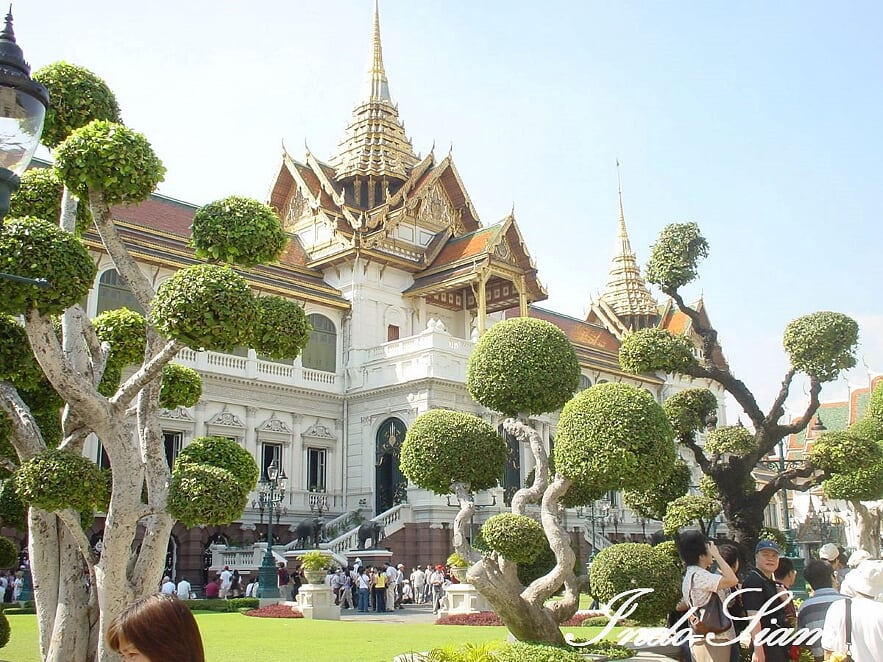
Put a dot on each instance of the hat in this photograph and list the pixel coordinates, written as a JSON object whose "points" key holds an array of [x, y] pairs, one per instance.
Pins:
{"points": [[857, 557], [866, 579], [829, 551], [400, 565], [439, 567], [767, 544]]}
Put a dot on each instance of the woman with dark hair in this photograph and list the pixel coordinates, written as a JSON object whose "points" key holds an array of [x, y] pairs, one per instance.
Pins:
{"points": [[158, 628], [698, 553]]}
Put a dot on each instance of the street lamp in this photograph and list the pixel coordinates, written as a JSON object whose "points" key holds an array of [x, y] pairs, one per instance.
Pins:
{"points": [[598, 512], [271, 491], [23, 104]]}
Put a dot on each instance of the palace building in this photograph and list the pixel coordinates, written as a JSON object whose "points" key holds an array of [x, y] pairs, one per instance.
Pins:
{"points": [[399, 277]]}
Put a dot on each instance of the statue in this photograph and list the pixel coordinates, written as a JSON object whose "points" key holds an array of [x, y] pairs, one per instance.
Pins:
{"points": [[309, 533], [372, 530]]}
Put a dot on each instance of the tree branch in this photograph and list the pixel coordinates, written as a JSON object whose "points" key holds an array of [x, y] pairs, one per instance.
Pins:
{"points": [[542, 588], [815, 389], [145, 374], [71, 520], [524, 433], [27, 440], [119, 254], [701, 458], [467, 510]]}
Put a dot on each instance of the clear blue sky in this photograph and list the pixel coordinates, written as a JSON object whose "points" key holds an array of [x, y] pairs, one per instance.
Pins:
{"points": [[762, 122]]}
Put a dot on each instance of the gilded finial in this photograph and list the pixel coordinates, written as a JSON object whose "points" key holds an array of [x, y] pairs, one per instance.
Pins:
{"points": [[377, 84]]}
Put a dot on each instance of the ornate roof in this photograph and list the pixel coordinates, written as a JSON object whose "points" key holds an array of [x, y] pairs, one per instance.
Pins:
{"points": [[375, 143]]}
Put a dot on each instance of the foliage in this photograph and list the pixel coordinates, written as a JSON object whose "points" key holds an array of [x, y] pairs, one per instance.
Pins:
{"points": [[5, 631], [875, 403], [674, 258], [17, 363], [111, 158], [39, 195], [774, 534], [517, 538], [687, 510], [57, 479], [13, 511], [457, 561], [652, 500], [204, 494], [239, 231], [126, 332], [181, 386], [614, 436], [627, 566], [465, 652], [523, 365], [842, 452], [314, 560], [444, 446], [869, 427], [541, 565], [708, 488], [524, 652], [34, 248], [110, 380], [8, 552], [670, 549], [649, 350], [688, 410], [822, 344], [282, 330], [733, 439], [76, 97], [222, 453], [206, 307], [862, 484], [607, 649], [222, 606], [576, 495]]}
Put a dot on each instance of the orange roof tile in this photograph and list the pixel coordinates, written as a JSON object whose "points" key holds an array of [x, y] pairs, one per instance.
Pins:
{"points": [[468, 245], [158, 213]]}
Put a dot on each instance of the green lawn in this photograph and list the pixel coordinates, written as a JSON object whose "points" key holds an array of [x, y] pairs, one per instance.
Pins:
{"points": [[233, 638]]}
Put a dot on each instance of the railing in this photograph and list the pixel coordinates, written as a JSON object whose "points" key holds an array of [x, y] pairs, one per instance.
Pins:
{"points": [[395, 517], [243, 558]]}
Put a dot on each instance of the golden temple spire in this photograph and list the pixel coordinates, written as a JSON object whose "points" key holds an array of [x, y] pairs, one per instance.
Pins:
{"points": [[375, 144], [626, 292], [376, 85]]}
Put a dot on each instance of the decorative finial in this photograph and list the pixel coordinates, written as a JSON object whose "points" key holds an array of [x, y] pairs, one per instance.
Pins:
{"points": [[377, 84], [10, 53], [622, 230]]}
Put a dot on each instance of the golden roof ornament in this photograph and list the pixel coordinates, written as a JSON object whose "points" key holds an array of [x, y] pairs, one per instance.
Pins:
{"points": [[626, 292], [374, 143]]}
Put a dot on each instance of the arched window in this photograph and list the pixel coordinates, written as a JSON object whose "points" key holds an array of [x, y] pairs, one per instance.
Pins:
{"points": [[321, 351], [113, 293], [584, 383]]}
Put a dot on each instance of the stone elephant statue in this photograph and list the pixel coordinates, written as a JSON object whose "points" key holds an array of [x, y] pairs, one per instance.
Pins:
{"points": [[372, 530], [309, 533]]}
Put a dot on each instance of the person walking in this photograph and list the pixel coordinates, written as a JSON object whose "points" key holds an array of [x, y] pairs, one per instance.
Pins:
{"points": [[820, 577], [418, 579], [437, 583]]}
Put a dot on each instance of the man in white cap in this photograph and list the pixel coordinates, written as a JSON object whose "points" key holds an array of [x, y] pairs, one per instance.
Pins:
{"points": [[864, 586], [831, 553]]}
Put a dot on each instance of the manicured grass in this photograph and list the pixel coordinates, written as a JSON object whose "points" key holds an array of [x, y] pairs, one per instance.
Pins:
{"points": [[233, 638]]}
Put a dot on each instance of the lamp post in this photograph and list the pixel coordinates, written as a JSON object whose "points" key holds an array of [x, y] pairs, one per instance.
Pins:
{"points": [[271, 491], [23, 104], [598, 511]]}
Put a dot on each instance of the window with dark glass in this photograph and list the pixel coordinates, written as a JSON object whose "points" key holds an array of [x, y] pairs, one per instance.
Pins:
{"points": [[113, 293], [316, 469], [321, 350]]}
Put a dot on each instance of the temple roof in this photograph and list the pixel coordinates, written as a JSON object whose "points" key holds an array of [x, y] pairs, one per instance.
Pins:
{"points": [[375, 142]]}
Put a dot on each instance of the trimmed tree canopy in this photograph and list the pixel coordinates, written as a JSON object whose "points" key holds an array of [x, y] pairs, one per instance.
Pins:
{"points": [[688, 410], [203, 494], [730, 439], [653, 500], [523, 365], [108, 157], [282, 330], [56, 479], [181, 386], [822, 344], [206, 307], [35, 248], [443, 447], [674, 259], [842, 452], [649, 350], [239, 231], [614, 436], [39, 195], [517, 538], [688, 510], [76, 97], [17, 363], [223, 453], [125, 331]]}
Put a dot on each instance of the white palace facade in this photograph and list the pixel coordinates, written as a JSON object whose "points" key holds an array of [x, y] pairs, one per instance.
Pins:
{"points": [[399, 277]]}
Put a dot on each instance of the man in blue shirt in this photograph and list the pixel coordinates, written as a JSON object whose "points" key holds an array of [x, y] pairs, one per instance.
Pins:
{"points": [[820, 576]]}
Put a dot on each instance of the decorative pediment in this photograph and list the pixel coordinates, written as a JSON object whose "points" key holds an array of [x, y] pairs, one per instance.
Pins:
{"points": [[177, 414], [275, 429], [319, 432], [226, 424], [435, 212], [226, 418]]}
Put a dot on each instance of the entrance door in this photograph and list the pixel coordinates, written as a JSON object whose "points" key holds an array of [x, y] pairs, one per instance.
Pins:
{"points": [[389, 482]]}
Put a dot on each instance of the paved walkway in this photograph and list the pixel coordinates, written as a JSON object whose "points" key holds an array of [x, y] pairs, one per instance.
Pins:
{"points": [[409, 614]]}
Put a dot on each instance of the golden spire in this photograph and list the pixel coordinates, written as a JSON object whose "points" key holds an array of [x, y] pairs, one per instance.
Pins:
{"points": [[376, 85], [375, 143], [626, 290]]}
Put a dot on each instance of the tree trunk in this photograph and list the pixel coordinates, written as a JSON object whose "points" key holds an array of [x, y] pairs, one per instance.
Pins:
{"points": [[866, 525], [744, 516]]}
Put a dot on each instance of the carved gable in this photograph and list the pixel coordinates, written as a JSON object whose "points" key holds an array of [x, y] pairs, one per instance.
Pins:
{"points": [[436, 211], [294, 209]]}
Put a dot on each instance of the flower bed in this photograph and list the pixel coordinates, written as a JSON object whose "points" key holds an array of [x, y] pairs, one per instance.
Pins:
{"points": [[275, 611]]}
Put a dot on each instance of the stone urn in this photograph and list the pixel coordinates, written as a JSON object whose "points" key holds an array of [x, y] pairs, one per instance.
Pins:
{"points": [[315, 576], [459, 574]]}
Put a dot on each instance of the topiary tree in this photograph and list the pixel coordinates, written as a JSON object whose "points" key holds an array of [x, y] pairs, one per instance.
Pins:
{"points": [[239, 231], [606, 436], [688, 510], [627, 566], [652, 503], [8, 552], [64, 381], [820, 345]]}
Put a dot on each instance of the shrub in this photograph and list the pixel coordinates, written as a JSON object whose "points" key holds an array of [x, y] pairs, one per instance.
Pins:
{"points": [[523, 365], [628, 566], [614, 436], [206, 307], [8, 552], [282, 330], [239, 231], [39, 195], [126, 332], [35, 248], [607, 649], [730, 439], [4, 629], [181, 386], [524, 652], [76, 97], [651, 350], [444, 446], [111, 158], [822, 344], [56, 479], [517, 538], [842, 452], [689, 409], [223, 453]]}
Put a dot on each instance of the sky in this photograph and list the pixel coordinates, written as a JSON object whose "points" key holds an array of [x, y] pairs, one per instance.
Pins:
{"points": [[762, 122]]}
